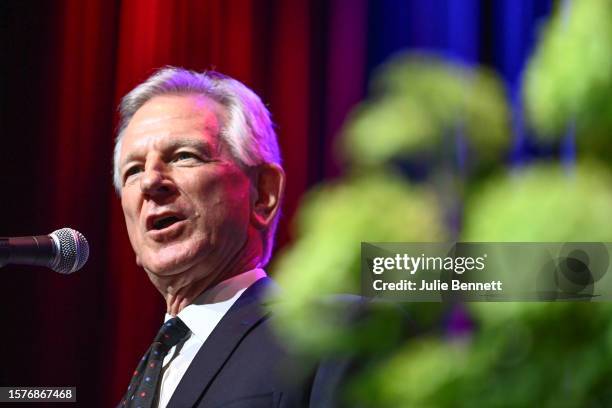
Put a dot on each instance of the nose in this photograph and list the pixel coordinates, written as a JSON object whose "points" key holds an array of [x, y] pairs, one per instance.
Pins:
{"points": [[155, 182]]}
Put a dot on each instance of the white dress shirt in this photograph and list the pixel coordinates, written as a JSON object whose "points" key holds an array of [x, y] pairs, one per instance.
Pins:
{"points": [[201, 316]]}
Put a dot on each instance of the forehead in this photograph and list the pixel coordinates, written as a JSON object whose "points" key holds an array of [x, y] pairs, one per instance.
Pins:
{"points": [[165, 118]]}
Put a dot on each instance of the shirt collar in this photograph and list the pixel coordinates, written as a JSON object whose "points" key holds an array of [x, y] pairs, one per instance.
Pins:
{"points": [[208, 309]]}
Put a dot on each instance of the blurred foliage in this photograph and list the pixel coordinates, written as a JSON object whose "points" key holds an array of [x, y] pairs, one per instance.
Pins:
{"points": [[421, 109], [570, 76], [416, 102], [333, 220], [523, 355], [542, 203]]}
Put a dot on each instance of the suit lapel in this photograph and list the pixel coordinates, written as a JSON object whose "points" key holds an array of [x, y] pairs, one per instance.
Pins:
{"points": [[221, 343]]}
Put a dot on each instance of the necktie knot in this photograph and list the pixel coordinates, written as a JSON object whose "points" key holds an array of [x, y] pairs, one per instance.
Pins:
{"points": [[171, 333]]}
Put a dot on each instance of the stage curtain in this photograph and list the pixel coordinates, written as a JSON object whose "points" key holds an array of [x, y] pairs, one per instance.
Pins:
{"points": [[67, 63], [70, 63]]}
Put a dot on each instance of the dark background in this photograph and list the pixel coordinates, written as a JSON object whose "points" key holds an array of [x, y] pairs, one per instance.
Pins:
{"points": [[67, 63]]}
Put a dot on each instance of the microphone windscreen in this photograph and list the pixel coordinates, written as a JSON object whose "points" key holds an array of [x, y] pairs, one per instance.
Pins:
{"points": [[73, 250]]}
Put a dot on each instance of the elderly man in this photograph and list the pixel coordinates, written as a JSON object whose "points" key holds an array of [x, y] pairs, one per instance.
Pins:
{"points": [[197, 167]]}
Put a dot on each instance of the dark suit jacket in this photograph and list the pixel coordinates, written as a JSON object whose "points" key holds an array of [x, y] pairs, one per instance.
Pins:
{"points": [[242, 363]]}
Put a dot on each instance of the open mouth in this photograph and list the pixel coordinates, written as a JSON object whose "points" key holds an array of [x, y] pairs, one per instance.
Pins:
{"points": [[164, 222]]}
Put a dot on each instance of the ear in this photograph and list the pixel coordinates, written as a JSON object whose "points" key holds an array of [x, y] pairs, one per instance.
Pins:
{"points": [[268, 188]]}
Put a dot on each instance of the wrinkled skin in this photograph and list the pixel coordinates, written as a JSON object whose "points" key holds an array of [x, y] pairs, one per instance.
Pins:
{"points": [[174, 166]]}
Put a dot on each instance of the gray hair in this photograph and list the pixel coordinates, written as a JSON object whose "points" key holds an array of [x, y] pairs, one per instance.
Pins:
{"points": [[248, 131]]}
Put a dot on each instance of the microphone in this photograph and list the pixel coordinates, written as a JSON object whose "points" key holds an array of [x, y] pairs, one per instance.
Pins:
{"points": [[65, 250]]}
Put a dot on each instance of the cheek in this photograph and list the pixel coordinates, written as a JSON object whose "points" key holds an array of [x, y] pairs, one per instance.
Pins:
{"points": [[236, 197], [225, 202]]}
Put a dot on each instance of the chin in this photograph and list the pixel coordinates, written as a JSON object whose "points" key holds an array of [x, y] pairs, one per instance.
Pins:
{"points": [[168, 262], [162, 269], [167, 265]]}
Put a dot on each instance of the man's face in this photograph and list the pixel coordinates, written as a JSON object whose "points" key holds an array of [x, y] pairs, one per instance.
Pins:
{"points": [[186, 202]]}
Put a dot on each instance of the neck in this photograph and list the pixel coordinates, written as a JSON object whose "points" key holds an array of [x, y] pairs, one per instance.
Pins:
{"points": [[182, 289]]}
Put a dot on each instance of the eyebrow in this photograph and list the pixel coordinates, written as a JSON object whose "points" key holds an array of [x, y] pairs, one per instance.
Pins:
{"points": [[173, 145]]}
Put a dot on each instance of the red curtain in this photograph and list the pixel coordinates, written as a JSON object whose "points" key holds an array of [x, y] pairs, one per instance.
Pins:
{"points": [[69, 63]]}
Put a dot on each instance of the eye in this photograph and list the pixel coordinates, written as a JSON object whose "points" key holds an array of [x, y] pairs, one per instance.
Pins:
{"points": [[182, 156], [131, 171]]}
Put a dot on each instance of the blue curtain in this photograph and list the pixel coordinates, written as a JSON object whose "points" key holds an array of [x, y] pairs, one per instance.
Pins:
{"points": [[498, 34]]}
